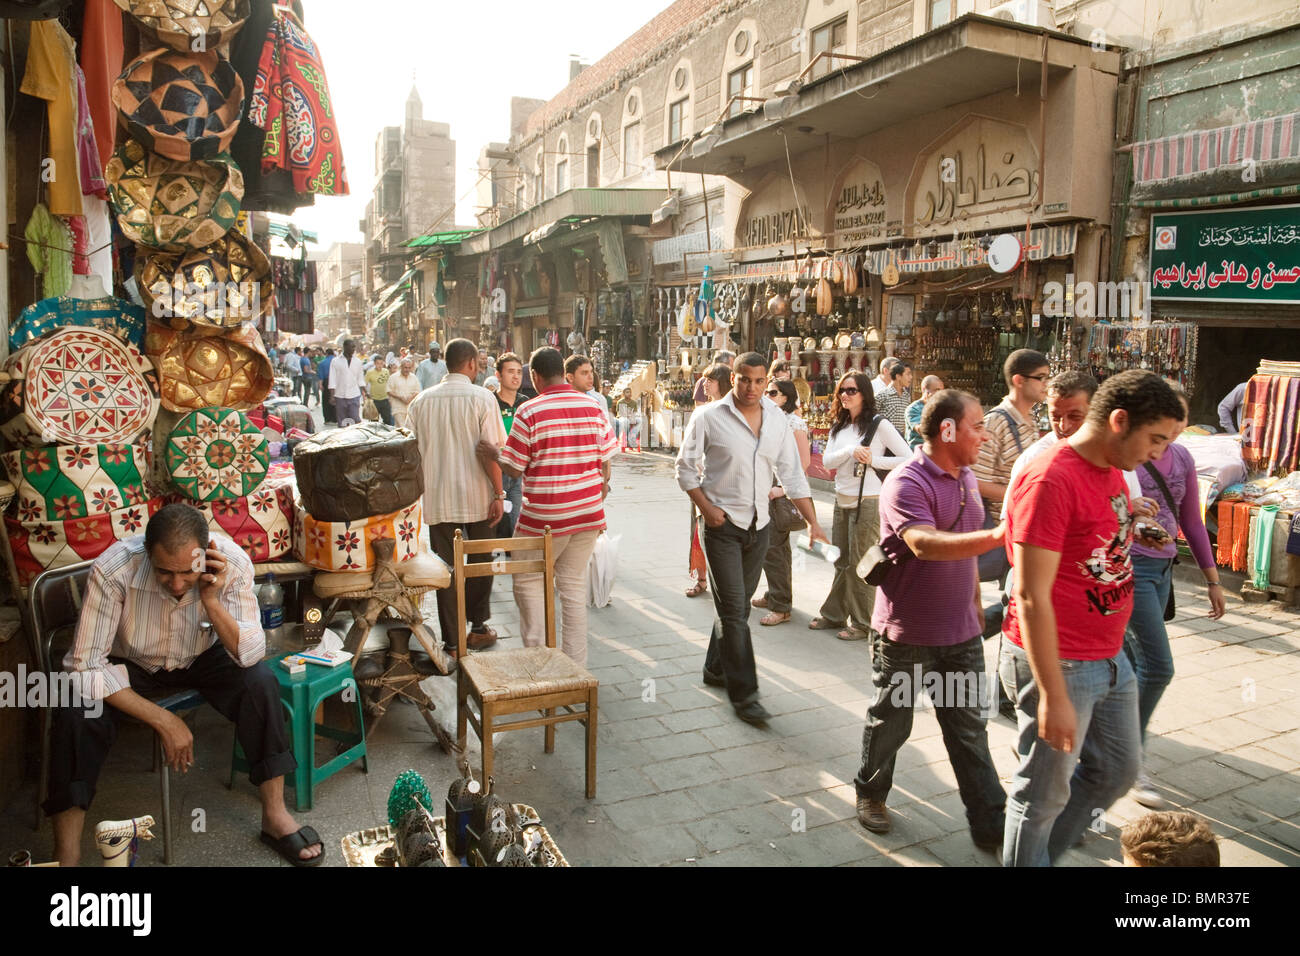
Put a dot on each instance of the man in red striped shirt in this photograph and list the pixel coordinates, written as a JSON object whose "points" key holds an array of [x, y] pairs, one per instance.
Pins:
{"points": [[561, 444]]}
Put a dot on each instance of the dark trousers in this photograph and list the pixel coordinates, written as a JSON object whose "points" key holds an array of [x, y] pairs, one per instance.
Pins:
{"points": [[327, 405], [735, 562], [901, 673], [385, 409], [478, 591], [250, 696], [777, 570]]}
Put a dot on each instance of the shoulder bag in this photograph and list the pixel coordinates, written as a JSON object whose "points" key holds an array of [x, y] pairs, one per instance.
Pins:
{"points": [[1171, 606], [893, 551], [866, 443]]}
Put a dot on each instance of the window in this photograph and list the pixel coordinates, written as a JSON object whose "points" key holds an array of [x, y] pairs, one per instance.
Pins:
{"points": [[519, 196], [740, 83], [593, 165], [831, 38], [631, 149], [561, 176], [675, 113], [941, 12]]}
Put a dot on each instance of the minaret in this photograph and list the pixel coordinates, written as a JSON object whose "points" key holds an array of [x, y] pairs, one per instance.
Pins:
{"points": [[414, 105]]}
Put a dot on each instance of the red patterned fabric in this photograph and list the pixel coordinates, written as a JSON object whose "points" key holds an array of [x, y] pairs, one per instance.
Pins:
{"points": [[291, 101], [41, 545], [260, 523]]}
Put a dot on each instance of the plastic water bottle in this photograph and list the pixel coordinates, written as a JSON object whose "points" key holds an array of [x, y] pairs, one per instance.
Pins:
{"points": [[270, 603], [827, 552]]}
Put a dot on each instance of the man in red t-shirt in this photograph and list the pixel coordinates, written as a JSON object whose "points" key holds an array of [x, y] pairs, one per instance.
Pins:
{"points": [[561, 444], [1063, 663]]}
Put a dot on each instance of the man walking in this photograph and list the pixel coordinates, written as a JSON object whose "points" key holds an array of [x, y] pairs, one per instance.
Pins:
{"points": [[377, 386], [510, 373], [1063, 663], [347, 380], [560, 445], [305, 375], [929, 386], [462, 489], [730, 451], [326, 394], [433, 369], [927, 619], [889, 400]]}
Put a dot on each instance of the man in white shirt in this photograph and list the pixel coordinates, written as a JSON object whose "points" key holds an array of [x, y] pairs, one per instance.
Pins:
{"points": [[730, 451], [347, 381], [433, 369], [462, 491], [166, 611], [1230, 409]]}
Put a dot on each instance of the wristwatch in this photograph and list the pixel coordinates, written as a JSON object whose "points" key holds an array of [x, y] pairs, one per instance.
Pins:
{"points": [[500, 496]]}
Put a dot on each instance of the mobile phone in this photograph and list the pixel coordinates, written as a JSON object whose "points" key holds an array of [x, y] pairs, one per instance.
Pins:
{"points": [[1154, 533]]}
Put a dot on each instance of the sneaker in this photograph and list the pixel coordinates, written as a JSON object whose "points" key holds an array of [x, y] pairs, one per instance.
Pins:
{"points": [[1146, 794], [873, 815]]}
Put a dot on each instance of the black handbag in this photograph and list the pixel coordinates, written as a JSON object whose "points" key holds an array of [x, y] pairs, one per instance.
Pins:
{"points": [[786, 518], [1171, 606]]}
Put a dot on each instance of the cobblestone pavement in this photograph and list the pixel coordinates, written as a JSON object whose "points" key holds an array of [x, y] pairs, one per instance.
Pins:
{"points": [[683, 782]]}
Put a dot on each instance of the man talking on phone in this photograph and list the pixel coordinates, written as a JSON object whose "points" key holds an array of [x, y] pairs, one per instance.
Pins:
{"points": [[165, 611]]}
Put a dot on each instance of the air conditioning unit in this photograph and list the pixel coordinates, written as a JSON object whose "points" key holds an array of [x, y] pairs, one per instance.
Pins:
{"points": [[1032, 13]]}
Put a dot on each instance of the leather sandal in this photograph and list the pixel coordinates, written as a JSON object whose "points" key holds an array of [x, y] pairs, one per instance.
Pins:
{"points": [[759, 602], [291, 846], [776, 617], [696, 589], [852, 633]]}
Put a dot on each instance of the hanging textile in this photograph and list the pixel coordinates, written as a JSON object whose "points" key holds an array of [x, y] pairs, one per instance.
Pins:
{"points": [[49, 76], [101, 60], [291, 102], [49, 250], [1270, 430], [89, 165]]}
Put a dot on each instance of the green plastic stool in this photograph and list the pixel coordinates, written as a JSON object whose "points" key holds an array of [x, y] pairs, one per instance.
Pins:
{"points": [[301, 694]]}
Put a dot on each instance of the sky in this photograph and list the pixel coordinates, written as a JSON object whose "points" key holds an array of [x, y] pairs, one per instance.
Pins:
{"points": [[468, 59]]}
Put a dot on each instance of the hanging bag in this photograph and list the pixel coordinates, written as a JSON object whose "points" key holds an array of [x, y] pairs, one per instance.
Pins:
{"points": [[1171, 606]]}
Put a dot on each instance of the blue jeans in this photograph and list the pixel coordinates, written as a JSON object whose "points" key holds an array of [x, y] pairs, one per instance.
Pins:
{"points": [[1056, 795], [735, 562], [514, 489], [900, 673], [1147, 642]]}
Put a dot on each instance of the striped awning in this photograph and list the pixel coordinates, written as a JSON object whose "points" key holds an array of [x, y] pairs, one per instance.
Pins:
{"points": [[1044, 242], [1203, 151]]}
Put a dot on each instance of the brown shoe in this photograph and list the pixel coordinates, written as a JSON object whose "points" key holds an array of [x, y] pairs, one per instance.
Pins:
{"points": [[873, 815], [478, 640], [759, 602]]}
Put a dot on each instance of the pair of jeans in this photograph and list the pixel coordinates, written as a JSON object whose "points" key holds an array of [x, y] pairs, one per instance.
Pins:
{"points": [[735, 562], [854, 531], [514, 490], [385, 409], [249, 696], [571, 554], [777, 570], [1147, 642], [900, 673], [478, 591], [1055, 795]]}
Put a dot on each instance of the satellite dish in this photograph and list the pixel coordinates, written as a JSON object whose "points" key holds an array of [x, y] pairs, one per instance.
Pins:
{"points": [[1005, 253]]}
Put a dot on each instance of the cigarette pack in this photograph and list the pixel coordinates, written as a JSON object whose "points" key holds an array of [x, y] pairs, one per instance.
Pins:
{"points": [[294, 664]]}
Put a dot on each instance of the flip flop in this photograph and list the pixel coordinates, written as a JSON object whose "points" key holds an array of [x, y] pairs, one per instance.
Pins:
{"points": [[852, 633], [292, 844]]}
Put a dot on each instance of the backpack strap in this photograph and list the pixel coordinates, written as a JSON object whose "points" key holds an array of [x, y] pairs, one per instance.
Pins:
{"points": [[1015, 429]]}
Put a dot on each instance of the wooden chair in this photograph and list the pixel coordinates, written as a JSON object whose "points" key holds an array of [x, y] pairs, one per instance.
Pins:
{"points": [[519, 680]]}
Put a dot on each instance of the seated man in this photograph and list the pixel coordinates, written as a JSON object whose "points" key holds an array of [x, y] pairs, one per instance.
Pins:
{"points": [[167, 611]]}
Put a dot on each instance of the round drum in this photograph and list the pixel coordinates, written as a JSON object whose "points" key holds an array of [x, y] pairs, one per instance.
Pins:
{"points": [[216, 453], [228, 370]]}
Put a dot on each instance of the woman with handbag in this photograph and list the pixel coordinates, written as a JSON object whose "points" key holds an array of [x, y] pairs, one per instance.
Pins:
{"points": [[785, 518], [862, 446], [1171, 483], [717, 383]]}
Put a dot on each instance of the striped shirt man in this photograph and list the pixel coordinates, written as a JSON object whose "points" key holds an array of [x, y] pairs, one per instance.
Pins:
{"points": [[126, 614], [1010, 433], [559, 441], [449, 420]]}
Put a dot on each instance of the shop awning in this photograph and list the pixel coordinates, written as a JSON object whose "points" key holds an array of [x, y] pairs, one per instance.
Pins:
{"points": [[972, 57], [388, 292], [451, 237], [1044, 242], [391, 308], [287, 230], [1205, 161], [571, 205], [532, 311]]}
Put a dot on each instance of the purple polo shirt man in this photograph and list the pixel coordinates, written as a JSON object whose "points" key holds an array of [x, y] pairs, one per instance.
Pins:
{"points": [[927, 618]]}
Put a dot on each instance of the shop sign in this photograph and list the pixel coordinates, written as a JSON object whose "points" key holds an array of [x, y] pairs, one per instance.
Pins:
{"points": [[1229, 255], [859, 213], [986, 165], [773, 216]]}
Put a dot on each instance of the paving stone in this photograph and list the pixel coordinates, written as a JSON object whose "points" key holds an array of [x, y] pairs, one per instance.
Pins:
{"points": [[1203, 778], [678, 745], [1259, 761], [731, 794], [752, 758], [654, 810], [684, 772], [1279, 796]]}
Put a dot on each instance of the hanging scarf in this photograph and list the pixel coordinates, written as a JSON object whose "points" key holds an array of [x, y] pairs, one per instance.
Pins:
{"points": [[291, 101], [1224, 557]]}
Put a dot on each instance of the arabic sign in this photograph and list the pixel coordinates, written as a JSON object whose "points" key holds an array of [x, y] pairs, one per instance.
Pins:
{"points": [[985, 166], [1230, 255], [859, 210]]}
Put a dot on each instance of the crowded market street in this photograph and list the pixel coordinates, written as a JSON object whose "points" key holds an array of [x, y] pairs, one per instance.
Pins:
{"points": [[683, 783]]}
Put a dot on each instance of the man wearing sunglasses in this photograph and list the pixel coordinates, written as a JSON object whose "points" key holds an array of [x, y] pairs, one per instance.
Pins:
{"points": [[730, 451]]}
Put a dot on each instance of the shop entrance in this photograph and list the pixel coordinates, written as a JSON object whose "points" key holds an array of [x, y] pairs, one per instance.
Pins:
{"points": [[1229, 356]]}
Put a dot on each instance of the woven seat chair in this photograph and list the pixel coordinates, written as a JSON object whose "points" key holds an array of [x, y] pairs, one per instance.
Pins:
{"points": [[522, 680]]}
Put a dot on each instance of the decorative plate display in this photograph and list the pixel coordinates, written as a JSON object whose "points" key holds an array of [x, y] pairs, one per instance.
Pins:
{"points": [[826, 343], [261, 523], [810, 344], [108, 314], [216, 453], [79, 386], [179, 23], [182, 105], [843, 341], [41, 545], [201, 371], [220, 286], [60, 482], [170, 205], [346, 545]]}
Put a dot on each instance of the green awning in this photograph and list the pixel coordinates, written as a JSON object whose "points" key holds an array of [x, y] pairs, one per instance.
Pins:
{"points": [[452, 237], [532, 311]]}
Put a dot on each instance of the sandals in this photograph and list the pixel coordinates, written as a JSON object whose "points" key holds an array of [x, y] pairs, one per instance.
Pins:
{"points": [[696, 589], [821, 624], [852, 633], [759, 602], [291, 845], [776, 617]]}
